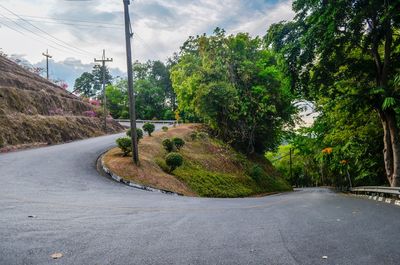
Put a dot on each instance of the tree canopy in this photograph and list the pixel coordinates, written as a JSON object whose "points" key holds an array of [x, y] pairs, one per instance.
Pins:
{"points": [[348, 51], [234, 84], [90, 84]]}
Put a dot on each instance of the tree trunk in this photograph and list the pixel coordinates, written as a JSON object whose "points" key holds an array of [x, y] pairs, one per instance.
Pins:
{"points": [[391, 151]]}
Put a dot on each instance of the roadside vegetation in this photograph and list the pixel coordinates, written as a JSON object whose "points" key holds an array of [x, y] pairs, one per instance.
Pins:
{"points": [[196, 166], [342, 59]]}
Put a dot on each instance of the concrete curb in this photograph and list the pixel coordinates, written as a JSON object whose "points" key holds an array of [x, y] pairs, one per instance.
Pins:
{"points": [[379, 199], [117, 178]]}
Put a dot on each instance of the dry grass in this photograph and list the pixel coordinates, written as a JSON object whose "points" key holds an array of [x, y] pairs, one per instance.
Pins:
{"points": [[148, 173], [27, 102], [19, 129], [211, 168]]}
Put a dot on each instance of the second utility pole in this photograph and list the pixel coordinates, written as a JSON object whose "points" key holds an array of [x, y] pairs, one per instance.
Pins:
{"points": [[47, 55], [104, 60], [132, 110]]}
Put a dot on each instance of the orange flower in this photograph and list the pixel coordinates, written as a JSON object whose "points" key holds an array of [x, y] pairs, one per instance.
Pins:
{"points": [[327, 150]]}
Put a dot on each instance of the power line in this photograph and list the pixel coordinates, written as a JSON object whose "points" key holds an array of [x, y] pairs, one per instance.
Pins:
{"points": [[76, 48], [76, 20], [38, 37], [12, 28], [105, 26]]}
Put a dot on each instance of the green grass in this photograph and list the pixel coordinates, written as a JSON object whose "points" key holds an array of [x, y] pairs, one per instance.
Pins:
{"points": [[212, 168], [213, 184], [216, 184]]}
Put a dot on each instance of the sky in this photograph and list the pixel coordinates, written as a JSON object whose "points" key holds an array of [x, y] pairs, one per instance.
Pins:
{"points": [[76, 32]]}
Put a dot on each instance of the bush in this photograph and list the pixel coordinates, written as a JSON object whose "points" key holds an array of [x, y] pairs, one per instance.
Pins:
{"points": [[178, 142], [256, 173], [149, 127], [139, 133], [124, 114], [174, 160], [169, 115], [1, 143], [125, 144], [164, 128], [202, 135], [193, 136], [169, 145]]}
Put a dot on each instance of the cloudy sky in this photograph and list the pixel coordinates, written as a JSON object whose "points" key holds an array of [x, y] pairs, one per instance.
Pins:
{"points": [[75, 32]]}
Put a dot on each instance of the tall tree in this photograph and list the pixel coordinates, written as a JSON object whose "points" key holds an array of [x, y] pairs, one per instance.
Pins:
{"points": [[234, 85], [89, 84], [347, 49]]}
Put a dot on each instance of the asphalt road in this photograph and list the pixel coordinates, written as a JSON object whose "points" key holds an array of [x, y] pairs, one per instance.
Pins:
{"points": [[91, 219]]}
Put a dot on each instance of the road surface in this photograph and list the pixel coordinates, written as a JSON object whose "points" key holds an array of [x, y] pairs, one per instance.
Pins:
{"points": [[91, 219]]}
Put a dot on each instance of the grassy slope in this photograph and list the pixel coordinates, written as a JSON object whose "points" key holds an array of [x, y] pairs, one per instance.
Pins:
{"points": [[211, 169], [27, 111]]}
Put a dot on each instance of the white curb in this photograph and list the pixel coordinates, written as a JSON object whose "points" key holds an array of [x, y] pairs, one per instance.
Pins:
{"points": [[130, 183]]}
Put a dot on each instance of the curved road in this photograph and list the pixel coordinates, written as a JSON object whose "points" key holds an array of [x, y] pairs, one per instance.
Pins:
{"points": [[93, 220]]}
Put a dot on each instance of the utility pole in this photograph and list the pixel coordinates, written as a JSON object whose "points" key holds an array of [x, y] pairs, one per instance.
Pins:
{"points": [[291, 171], [104, 60], [132, 110], [47, 55]]}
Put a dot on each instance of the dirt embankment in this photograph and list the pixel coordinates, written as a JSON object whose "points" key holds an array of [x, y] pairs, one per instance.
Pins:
{"points": [[35, 111]]}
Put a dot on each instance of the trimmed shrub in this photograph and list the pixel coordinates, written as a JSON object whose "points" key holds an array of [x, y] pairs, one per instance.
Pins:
{"points": [[173, 160], [168, 145], [165, 128], [125, 144], [178, 142], [149, 127], [193, 136], [139, 133]]}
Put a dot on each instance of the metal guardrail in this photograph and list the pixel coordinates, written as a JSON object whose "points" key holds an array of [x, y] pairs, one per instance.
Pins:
{"points": [[151, 121], [377, 189]]}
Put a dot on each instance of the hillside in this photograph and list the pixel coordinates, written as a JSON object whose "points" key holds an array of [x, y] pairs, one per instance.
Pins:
{"points": [[210, 169], [36, 111]]}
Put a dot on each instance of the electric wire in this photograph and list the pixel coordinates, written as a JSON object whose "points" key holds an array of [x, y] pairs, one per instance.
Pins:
{"points": [[48, 34], [35, 36]]}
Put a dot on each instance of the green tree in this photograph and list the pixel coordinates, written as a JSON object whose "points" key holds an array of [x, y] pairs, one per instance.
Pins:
{"points": [[348, 50], [89, 84], [234, 84], [117, 99], [154, 94], [149, 100], [149, 127]]}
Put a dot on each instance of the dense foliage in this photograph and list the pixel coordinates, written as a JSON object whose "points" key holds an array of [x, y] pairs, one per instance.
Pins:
{"points": [[168, 145], [125, 144], [344, 56], [155, 98], [178, 142], [139, 134], [149, 128], [90, 84], [234, 84], [173, 160]]}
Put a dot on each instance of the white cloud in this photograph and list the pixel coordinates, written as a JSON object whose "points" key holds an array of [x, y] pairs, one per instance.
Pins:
{"points": [[160, 26]]}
